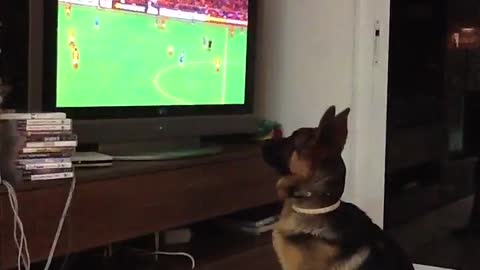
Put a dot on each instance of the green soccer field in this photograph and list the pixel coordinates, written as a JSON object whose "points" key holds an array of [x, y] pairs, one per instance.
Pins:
{"points": [[125, 61]]}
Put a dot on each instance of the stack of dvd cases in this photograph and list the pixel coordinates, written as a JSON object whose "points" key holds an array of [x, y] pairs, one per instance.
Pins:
{"points": [[45, 145]]}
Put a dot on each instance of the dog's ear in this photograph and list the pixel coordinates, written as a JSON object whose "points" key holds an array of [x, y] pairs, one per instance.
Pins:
{"points": [[341, 129], [331, 136], [328, 116], [306, 140]]}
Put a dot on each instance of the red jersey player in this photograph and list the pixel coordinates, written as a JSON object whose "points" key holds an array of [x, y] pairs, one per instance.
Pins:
{"points": [[75, 58], [68, 9], [232, 31]]}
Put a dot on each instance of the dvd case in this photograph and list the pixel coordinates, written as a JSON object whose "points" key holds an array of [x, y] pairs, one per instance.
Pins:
{"points": [[38, 146]]}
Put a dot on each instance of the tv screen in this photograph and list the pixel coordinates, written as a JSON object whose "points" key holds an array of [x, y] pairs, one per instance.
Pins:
{"points": [[140, 53]]}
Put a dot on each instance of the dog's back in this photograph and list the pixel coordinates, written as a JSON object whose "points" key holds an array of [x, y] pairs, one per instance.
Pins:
{"points": [[355, 231]]}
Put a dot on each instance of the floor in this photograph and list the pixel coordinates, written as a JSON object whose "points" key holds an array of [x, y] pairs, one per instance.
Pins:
{"points": [[429, 239]]}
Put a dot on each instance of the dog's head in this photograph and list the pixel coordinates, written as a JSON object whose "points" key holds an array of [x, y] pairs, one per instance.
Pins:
{"points": [[314, 155]]}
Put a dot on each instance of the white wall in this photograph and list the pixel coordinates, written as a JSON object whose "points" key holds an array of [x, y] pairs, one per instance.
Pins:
{"points": [[305, 59], [317, 53], [366, 173]]}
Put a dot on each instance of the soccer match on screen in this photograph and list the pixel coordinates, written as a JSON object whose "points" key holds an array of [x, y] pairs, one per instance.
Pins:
{"points": [[151, 52]]}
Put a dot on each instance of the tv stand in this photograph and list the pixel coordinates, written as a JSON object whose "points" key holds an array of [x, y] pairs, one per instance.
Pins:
{"points": [[135, 199]]}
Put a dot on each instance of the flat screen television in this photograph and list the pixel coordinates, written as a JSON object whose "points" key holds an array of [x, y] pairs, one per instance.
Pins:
{"points": [[149, 70]]}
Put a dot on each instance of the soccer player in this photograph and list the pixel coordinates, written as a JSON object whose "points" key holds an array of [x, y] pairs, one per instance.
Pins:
{"points": [[96, 23], [181, 59], [75, 58], [170, 50], [71, 38], [210, 45], [68, 10], [204, 42], [232, 31], [162, 23], [244, 30], [217, 64]]}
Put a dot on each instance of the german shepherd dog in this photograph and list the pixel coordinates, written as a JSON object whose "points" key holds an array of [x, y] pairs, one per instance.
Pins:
{"points": [[316, 230]]}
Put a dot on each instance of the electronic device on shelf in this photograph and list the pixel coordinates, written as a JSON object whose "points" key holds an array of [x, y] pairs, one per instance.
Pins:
{"points": [[144, 79], [91, 160]]}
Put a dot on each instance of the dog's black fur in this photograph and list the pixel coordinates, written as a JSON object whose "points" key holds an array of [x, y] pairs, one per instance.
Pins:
{"points": [[310, 161]]}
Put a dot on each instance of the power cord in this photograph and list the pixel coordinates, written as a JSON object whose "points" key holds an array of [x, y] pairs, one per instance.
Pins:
{"points": [[60, 223], [22, 246], [192, 260], [67, 257], [184, 254]]}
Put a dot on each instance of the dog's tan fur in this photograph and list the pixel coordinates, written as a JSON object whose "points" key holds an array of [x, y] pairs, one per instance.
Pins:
{"points": [[318, 255], [300, 166]]}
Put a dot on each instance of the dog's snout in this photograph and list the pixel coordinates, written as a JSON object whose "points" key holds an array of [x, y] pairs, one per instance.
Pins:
{"points": [[268, 151], [276, 154]]}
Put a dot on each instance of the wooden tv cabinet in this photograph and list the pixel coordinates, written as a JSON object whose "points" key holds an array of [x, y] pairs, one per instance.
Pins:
{"points": [[132, 199]]}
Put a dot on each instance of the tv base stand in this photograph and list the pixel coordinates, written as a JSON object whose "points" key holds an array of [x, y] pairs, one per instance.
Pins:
{"points": [[164, 149], [172, 154]]}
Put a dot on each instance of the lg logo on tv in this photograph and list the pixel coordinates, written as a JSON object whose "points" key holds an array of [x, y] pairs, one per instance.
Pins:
{"points": [[162, 111]]}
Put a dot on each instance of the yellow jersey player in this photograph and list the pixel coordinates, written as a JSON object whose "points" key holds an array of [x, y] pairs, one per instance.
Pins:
{"points": [[217, 64], [163, 24], [170, 50], [71, 39], [75, 58], [68, 10], [160, 23]]}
